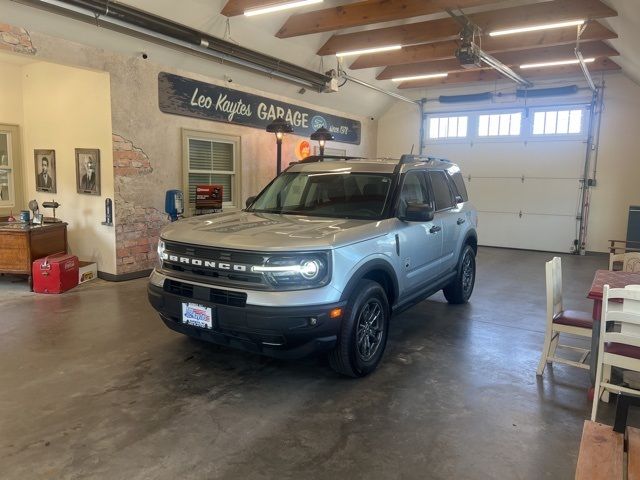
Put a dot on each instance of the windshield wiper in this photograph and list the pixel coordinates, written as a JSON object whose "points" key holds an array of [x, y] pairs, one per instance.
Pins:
{"points": [[276, 211], [271, 210]]}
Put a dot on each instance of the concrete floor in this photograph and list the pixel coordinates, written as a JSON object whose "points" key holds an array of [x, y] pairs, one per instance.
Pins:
{"points": [[93, 385]]}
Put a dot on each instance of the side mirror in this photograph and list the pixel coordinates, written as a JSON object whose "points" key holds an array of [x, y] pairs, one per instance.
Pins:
{"points": [[418, 212], [459, 199], [249, 201]]}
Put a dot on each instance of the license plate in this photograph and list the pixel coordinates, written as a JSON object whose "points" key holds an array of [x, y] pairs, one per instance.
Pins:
{"points": [[197, 315]]}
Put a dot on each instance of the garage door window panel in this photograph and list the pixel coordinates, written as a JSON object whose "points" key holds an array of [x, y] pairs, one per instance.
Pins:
{"points": [[450, 127], [561, 122], [499, 125]]}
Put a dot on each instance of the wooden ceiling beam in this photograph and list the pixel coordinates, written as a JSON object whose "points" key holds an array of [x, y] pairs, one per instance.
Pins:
{"points": [[445, 50], [513, 58], [448, 29], [367, 12], [474, 76], [237, 7]]}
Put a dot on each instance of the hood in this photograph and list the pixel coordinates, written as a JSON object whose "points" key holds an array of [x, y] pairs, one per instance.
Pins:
{"points": [[270, 232]]}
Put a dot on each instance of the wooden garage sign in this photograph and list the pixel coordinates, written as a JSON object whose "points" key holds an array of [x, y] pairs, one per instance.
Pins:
{"points": [[191, 98]]}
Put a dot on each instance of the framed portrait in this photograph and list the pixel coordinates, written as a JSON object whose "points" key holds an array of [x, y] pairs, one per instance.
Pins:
{"points": [[88, 171], [45, 170]]}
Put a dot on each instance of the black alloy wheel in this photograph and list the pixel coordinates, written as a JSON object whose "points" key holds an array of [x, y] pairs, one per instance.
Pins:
{"points": [[363, 333], [460, 289], [369, 329]]}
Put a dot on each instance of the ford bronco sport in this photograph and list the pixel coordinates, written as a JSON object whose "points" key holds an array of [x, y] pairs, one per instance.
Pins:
{"points": [[321, 259]]}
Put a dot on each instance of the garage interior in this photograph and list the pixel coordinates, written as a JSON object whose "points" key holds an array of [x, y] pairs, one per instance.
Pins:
{"points": [[105, 108]]}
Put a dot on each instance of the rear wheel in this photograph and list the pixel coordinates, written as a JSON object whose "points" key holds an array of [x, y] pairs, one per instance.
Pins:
{"points": [[460, 289], [363, 335]]}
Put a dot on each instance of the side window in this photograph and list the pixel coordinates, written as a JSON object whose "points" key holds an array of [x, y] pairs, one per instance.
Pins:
{"points": [[413, 191], [458, 181], [441, 192]]}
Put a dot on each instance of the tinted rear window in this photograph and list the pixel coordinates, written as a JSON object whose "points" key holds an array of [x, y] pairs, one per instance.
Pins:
{"points": [[458, 181], [441, 192]]}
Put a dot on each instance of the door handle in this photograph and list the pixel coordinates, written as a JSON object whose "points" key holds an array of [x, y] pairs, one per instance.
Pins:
{"points": [[461, 221], [435, 229]]}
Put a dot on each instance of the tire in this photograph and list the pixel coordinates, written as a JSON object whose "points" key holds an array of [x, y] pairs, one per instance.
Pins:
{"points": [[460, 289], [353, 359]]}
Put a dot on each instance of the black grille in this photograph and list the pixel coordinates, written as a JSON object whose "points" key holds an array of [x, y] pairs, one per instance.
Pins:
{"points": [[206, 294], [203, 272], [213, 254], [179, 288], [209, 253]]}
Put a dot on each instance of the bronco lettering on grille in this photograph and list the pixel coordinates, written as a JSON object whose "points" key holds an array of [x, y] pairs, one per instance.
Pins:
{"points": [[197, 262]]}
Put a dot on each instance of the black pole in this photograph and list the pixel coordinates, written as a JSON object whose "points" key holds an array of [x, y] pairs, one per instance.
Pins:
{"points": [[321, 150], [279, 156]]}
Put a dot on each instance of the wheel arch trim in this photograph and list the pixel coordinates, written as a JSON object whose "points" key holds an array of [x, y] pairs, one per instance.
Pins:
{"points": [[371, 266]]}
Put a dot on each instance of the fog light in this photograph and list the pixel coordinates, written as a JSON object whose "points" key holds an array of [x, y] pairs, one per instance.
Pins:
{"points": [[335, 313], [157, 279]]}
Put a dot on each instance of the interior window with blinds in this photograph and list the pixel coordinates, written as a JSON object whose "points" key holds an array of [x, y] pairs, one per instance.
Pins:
{"points": [[211, 162]]}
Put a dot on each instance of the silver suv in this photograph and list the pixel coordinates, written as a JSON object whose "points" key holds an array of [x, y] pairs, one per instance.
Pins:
{"points": [[321, 259]]}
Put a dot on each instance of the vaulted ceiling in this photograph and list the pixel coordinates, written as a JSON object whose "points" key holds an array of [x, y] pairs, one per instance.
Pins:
{"points": [[428, 46]]}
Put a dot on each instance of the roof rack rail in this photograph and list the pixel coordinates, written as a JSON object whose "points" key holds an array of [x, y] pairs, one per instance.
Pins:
{"points": [[407, 158], [322, 158]]}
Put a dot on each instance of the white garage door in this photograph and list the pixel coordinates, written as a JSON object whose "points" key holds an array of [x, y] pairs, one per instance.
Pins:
{"points": [[523, 169]]}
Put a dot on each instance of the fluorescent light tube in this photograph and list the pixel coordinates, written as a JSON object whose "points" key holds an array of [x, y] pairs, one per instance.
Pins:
{"points": [[556, 64], [420, 77], [534, 28], [369, 50], [279, 7]]}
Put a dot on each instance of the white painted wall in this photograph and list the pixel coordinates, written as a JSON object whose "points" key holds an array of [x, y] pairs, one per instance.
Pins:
{"points": [[10, 93], [618, 170], [399, 130], [67, 108]]}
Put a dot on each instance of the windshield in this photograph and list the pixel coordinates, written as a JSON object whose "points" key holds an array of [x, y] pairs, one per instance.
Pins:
{"points": [[326, 194]]}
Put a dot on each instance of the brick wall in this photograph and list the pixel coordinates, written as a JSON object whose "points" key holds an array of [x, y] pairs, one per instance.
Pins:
{"points": [[137, 226], [15, 39]]}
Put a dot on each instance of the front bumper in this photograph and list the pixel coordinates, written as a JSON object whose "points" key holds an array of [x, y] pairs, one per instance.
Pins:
{"points": [[281, 332]]}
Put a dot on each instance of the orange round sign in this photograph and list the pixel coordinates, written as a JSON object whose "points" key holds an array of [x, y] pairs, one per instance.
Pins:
{"points": [[303, 149]]}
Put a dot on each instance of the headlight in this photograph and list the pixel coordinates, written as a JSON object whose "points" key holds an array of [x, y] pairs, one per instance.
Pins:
{"points": [[304, 271], [310, 269], [160, 250]]}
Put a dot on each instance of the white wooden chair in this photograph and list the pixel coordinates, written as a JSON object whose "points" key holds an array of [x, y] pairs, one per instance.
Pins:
{"points": [[631, 262], [624, 256], [620, 346], [559, 321], [616, 258]]}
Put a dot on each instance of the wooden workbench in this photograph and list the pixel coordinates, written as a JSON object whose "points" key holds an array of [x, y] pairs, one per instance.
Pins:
{"points": [[21, 244]]}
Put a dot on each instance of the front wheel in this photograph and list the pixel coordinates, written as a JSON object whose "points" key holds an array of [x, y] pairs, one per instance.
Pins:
{"points": [[363, 335], [460, 289]]}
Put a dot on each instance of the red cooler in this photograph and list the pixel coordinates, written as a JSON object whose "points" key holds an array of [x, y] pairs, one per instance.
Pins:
{"points": [[55, 273]]}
